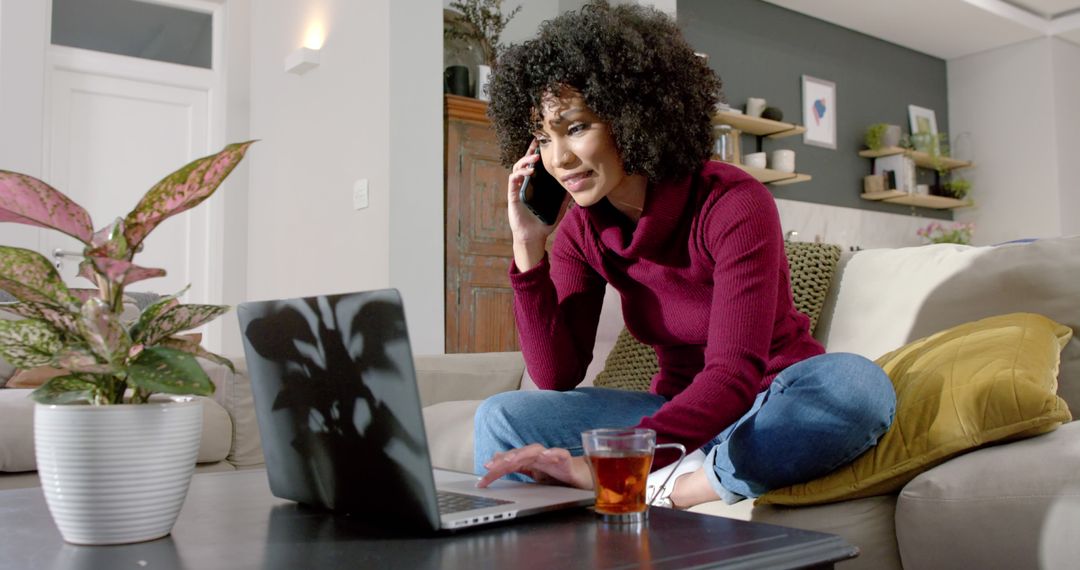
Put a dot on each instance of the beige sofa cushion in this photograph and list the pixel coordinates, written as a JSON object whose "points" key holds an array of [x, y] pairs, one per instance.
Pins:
{"points": [[17, 431], [449, 428], [450, 377], [233, 392], [865, 523], [1026, 479], [882, 299]]}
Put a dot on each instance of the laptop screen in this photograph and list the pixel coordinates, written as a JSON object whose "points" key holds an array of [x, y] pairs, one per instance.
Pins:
{"points": [[338, 406]]}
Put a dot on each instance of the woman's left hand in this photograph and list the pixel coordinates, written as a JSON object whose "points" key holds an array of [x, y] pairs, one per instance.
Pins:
{"points": [[550, 466]]}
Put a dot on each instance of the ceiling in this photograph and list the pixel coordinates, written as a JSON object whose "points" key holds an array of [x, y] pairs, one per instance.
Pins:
{"points": [[949, 28]]}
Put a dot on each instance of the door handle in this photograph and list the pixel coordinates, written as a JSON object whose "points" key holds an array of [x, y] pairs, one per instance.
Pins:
{"points": [[59, 255]]}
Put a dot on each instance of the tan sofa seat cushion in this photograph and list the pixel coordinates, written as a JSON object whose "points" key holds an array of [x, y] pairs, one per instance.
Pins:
{"points": [[1026, 479], [17, 431], [977, 383]]}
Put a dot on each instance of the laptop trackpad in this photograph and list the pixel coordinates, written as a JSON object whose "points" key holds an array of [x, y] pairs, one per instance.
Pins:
{"points": [[530, 497]]}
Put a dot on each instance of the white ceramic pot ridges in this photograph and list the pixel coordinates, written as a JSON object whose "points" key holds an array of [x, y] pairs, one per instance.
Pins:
{"points": [[116, 474]]}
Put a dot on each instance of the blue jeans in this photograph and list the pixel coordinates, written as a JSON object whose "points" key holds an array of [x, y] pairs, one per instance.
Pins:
{"points": [[816, 415]]}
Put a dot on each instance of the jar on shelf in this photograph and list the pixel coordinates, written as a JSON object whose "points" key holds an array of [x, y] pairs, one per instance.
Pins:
{"points": [[726, 147]]}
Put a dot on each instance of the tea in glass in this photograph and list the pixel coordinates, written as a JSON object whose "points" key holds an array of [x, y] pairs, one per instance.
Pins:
{"points": [[620, 461]]}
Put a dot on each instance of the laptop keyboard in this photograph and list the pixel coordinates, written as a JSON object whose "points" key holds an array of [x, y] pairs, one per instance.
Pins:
{"points": [[457, 502]]}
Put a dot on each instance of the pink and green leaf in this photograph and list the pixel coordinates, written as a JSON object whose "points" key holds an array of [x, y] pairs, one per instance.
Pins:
{"points": [[177, 319], [191, 346], [151, 312], [69, 389], [181, 191], [110, 242], [29, 343], [103, 332], [80, 359], [62, 321], [30, 277], [161, 369], [27, 200], [121, 271]]}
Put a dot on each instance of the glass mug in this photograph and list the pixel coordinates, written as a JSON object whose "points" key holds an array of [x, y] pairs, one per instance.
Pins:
{"points": [[620, 461]]}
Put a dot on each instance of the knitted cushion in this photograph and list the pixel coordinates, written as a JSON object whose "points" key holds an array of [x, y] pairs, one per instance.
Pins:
{"points": [[631, 365], [812, 268]]}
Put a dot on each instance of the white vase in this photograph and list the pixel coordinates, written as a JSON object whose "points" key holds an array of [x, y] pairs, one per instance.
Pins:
{"points": [[117, 474], [483, 75]]}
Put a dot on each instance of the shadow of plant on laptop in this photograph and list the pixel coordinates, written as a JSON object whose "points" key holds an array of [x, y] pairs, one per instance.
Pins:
{"points": [[339, 358]]}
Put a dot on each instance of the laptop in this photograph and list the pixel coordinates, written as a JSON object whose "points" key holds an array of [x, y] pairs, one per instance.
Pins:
{"points": [[341, 424]]}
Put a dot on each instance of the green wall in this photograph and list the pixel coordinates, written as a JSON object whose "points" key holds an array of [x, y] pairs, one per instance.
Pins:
{"points": [[762, 50]]}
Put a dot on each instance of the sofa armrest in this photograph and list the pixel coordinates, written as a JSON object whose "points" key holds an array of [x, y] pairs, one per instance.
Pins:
{"points": [[452, 377], [992, 508]]}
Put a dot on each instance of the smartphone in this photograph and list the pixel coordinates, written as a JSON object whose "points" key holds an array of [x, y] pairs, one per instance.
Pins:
{"points": [[542, 194]]}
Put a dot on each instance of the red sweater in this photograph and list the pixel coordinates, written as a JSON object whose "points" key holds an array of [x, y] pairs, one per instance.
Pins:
{"points": [[703, 280]]}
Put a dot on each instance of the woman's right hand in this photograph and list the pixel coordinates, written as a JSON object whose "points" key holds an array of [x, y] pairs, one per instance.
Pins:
{"points": [[529, 232]]}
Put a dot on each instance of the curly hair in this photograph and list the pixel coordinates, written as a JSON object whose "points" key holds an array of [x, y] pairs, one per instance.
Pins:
{"points": [[632, 67]]}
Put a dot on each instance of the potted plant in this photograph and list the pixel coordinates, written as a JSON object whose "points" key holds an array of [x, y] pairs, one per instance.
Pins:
{"points": [[957, 188], [882, 135], [114, 460], [956, 233], [483, 22]]}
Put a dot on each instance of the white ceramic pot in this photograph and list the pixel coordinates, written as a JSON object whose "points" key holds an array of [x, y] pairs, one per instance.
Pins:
{"points": [[483, 75], [117, 474]]}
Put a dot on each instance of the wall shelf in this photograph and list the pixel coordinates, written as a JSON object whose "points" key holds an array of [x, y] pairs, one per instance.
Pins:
{"points": [[770, 176], [758, 126], [922, 159], [919, 200]]}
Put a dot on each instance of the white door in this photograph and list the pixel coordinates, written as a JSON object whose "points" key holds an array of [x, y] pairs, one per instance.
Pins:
{"points": [[117, 124], [112, 139]]}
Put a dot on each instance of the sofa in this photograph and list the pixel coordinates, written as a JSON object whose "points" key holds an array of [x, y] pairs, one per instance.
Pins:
{"points": [[1010, 505]]}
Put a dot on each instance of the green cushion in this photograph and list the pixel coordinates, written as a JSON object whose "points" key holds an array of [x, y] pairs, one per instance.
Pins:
{"points": [[631, 365]]}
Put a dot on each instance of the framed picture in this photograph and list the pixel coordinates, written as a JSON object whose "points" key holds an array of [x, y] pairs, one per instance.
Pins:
{"points": [[922, 120], [924, 133], [819, 112]]}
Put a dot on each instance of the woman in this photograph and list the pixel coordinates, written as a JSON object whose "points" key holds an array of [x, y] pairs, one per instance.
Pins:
{"points": [[620, 106]]}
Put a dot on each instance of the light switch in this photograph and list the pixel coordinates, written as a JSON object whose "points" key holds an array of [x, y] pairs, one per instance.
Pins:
{"points": [[360, 194]]}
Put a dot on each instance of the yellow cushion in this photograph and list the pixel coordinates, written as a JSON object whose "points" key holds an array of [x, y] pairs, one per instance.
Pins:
{"points": [[973, 384]]}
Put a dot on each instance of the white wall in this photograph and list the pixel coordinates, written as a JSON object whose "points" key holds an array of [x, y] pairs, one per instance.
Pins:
{"points": [[1015, 103], [233, 194], [319, 133], [23, 25], [1066, 69], [416, 171], [371, 110]]}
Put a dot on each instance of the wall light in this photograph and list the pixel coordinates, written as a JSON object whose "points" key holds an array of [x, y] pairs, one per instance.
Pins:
{"points": [[302, 60]]}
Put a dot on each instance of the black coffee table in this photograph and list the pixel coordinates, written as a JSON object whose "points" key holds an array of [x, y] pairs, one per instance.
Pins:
{"points": [[231, 520]]}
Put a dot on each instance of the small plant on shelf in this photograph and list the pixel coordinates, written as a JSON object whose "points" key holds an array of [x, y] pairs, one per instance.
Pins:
{"points": [[957, 188], [882, 135], [875, 134], [958, 232]]}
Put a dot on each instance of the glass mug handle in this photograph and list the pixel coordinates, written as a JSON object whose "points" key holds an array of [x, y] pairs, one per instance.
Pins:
{"points": [[682, 455]]}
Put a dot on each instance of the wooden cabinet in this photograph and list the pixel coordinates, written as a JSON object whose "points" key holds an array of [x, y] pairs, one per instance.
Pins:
{"points": [[922, 160], [479, 301]]}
